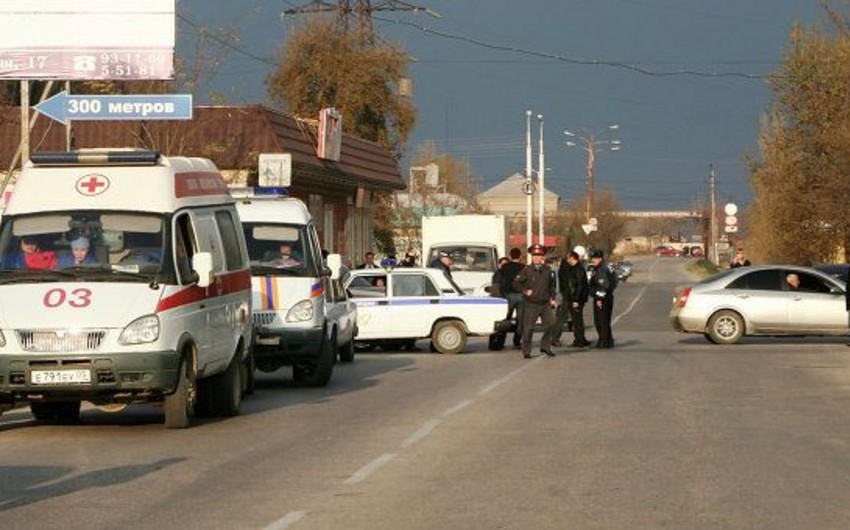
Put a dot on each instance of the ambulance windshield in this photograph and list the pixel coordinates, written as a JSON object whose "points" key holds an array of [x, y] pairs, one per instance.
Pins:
{"points": [[279, 249], [83, 241]]}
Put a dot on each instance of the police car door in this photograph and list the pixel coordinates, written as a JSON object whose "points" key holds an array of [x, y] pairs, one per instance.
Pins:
{"points": [[415, 304]]}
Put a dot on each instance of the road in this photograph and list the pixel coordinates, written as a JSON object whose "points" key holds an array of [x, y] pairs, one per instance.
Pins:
{"points": [[665, 430]]}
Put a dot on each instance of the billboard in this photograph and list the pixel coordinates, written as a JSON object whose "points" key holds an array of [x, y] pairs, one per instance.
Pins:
{"points": [[87, 39], [330, 134]]}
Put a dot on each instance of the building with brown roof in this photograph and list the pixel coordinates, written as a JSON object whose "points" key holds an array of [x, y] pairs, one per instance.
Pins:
{"points": [[338, 194]]}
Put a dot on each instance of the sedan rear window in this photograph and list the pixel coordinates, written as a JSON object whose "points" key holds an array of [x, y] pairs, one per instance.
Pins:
{"points": [[762, 280]]}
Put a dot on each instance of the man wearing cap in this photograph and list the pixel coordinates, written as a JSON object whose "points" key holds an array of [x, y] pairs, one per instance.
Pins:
{"points": [[602, 285], [79, 254], [443, 263], [536, 282]]}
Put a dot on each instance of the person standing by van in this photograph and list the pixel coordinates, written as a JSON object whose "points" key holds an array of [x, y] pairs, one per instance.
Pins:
{"points": [[444, 263]]}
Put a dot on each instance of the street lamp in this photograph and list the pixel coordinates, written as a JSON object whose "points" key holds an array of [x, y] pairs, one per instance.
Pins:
{"points": [[590, 142]]}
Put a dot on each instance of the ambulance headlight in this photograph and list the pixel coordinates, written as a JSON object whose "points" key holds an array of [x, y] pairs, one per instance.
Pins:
{"points": [[142, 330], [301, 311]]}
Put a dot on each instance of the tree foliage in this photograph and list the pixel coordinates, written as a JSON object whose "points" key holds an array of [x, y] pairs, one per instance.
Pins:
{"points": [[324, 66], [801, 182], [456, 175]]}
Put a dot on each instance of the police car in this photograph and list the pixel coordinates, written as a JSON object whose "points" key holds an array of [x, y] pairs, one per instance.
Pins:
{"points": [[397, 304]]}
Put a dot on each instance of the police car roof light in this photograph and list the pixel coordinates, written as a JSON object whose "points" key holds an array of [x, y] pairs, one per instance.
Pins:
{"points": [[69, 158]]}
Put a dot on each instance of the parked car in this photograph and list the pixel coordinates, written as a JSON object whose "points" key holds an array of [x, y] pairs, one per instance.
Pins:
{"points": [[623, 270], [667, 251], [760, 300], [400, 305]]}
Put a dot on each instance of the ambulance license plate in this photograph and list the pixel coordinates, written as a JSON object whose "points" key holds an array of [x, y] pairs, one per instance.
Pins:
{"points": [[60, 377]]}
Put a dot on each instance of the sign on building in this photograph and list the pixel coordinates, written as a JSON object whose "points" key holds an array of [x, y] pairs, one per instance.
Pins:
{"points": [[275, 170], [87, 39], [330, 134]]}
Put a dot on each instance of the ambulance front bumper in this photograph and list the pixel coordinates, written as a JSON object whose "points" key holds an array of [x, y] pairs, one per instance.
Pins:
{"points": [[125, 376], [287, 343]]}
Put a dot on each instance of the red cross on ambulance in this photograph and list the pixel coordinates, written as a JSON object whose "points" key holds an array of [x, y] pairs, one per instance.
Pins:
{"points": [[92, 184]]}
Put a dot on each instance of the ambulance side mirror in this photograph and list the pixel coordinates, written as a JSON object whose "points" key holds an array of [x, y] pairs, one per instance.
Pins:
{"points": [[335, 265], [202, 264]]}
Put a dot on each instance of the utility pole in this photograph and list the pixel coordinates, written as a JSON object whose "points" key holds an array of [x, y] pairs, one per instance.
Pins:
{"points": [[712, 181], [590, 142], [351, 14], [528, 188], [590, 180], [541, 185]]}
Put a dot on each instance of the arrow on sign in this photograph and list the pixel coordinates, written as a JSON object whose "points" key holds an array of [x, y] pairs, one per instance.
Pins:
{"points": [[64, 107]]}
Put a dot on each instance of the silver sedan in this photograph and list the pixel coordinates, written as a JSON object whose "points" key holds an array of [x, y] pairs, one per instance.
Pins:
{"points": [[765, 300]]}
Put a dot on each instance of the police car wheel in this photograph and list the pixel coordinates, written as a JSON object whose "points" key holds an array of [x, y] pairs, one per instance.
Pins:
{"points": [[449, 337], [180, 406], [56, 411]]}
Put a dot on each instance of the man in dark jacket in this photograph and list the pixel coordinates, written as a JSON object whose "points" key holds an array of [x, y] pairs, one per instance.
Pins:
{"points": [[572, 277], [536, 282], [602, 285], [443, 262], [507, 274]]}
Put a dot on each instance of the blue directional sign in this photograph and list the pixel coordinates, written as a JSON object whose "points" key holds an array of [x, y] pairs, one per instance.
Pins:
{"points": [[64, 107]]}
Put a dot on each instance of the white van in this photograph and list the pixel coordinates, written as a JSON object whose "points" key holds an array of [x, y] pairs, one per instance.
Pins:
{"points": [[123, 278], [293, 288]]}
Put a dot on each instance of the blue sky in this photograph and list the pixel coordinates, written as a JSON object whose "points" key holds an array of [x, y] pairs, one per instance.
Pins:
{"points": [[472, 98]]}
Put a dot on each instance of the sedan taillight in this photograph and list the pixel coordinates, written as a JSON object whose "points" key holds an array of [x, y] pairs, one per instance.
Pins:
{"points": [[683, 298]]}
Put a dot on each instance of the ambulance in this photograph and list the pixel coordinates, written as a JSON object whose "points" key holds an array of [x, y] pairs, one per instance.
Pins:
{"points": [[292, 287], [123, 278]]}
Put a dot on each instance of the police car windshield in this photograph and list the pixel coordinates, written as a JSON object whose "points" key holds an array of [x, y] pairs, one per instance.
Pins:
{"points": [[283, 249], [83, 241]]}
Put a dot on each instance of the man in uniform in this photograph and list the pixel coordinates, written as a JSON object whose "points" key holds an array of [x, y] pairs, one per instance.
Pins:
{"points": [[536, 282], [573, 284], [443, 262], [602, 285]]}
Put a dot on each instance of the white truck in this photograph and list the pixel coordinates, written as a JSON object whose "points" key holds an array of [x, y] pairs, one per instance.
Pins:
{"points": [[475, 242]]}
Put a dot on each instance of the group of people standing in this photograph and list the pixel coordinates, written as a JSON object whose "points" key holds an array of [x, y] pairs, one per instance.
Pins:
{"points": [[532, 293]]}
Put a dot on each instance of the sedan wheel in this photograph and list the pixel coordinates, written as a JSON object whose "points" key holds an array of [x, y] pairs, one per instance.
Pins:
{"points": [[726, 327], [449, 337]]}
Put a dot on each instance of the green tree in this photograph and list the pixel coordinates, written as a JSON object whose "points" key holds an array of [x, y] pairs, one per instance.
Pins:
{"points": [[801, 182], [322, 65]]}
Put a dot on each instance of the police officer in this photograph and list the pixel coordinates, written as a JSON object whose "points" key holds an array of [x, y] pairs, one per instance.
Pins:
{"points": [[536, 282], [443, 262], [602, 285], [573, 284]]}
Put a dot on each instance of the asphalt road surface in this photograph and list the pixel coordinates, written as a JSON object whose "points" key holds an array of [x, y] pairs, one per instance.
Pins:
{"points": [[665, 430]]}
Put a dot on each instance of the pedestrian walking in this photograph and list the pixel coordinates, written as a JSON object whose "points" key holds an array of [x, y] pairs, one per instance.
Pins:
{"points": [[574, 293], [602, 285], [536, 282], [740, 260]]}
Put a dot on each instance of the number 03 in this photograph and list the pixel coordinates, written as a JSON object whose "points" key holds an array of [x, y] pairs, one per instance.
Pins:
{"points": [[77, 298]]}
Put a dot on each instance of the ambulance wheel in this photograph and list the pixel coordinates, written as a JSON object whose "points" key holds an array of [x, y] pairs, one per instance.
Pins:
{"points": [[449, 337], [346, 352], [63, 411], [180, 406], [320, 373], [250, 379], [223, 392]]}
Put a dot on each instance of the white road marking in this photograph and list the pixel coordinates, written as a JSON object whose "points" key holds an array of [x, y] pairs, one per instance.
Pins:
{"points": [[460, 406], [420, 434], [637, 298], [364, 472], [286, 521]]}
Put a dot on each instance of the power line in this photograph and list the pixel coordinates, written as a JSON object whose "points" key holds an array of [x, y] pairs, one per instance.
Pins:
{"points": [[224, 42], [567, 59]]}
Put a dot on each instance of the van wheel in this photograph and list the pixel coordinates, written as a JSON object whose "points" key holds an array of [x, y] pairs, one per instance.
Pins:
{"points": [[320, 373], [224, 391], [346, 352], [725, 327], [180, 406], [248, 376], [449, 337], [63, 411]]}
